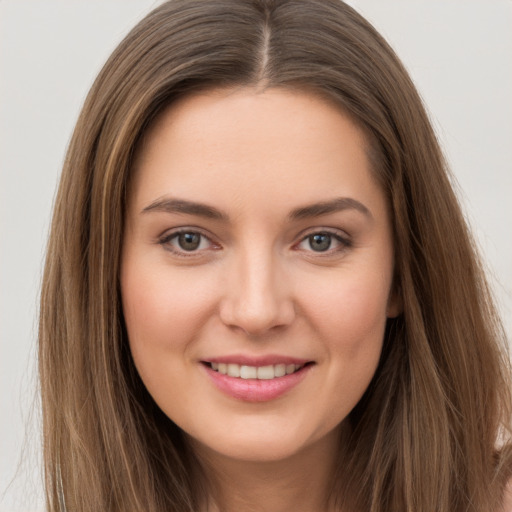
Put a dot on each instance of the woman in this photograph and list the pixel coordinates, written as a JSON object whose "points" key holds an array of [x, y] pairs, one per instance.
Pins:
{"points": [[260, 292]]}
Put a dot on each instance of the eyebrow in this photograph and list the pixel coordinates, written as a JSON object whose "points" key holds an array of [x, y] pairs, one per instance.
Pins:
{"points": [[327, 207], [182, 206], [169, 205]]}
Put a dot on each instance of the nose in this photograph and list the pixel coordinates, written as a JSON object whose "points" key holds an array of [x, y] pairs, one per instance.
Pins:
{"points": [[257, 296]]}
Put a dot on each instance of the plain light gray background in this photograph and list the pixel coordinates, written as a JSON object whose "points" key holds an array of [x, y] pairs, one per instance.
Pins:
{"points": [[458, 52]]}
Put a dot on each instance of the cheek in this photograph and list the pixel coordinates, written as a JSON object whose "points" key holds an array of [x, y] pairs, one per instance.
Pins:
{"points": [[350, 316], [163, 310], [356, 303]]}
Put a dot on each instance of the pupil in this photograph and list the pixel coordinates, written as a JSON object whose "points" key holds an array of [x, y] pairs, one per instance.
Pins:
{"points": [[320, 242], [189, 241]]}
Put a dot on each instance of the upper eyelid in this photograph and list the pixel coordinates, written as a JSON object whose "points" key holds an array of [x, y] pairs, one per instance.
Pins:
{"points": [[330, 231], [169, 233]]}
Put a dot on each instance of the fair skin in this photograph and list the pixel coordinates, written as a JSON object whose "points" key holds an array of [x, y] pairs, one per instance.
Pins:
{"points": [[257, 238], [507, 501]]}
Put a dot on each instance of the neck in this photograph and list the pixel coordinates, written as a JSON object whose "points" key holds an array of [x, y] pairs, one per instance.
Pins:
{"points": [[299, 483]]}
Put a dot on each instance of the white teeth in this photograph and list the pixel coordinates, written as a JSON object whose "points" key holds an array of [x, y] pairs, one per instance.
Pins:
{"points": [[279, 370], [233, 370], [266, 372], [248, 372], [256, 372]]}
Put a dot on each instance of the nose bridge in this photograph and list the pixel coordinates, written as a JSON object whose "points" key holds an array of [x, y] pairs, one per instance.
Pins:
{"points": [[258, 296]]}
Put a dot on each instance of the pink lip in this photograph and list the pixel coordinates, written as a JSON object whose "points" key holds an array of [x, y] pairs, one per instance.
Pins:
{"points": [[256, 360], [256, 390]]}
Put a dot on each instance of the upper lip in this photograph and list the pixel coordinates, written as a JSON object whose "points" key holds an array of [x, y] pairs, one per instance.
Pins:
{"points": [[264, 360]]}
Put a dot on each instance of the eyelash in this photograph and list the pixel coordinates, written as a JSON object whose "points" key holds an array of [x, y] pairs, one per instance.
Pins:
{"points": [[342, 239], [165, 241]]}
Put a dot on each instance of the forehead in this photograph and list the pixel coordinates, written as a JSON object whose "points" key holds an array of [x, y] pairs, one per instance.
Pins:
{"points": [[249, 108], [250, 144]]}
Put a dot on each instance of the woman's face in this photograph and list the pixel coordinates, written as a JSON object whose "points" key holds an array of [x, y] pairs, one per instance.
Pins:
{"points": [[257, 270]]}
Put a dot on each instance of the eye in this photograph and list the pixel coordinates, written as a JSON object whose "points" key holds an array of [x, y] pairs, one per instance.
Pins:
{"points": [[323, 242], [186, 241]]}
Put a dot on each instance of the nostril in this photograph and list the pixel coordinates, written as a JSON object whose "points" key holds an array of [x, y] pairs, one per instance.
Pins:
{"points": [[256, 300]]}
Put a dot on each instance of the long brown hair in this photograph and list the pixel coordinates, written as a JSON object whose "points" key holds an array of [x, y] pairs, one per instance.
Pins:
{"points": [[430, 432]]}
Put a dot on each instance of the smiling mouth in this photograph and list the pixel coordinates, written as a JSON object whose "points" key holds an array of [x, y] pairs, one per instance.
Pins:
{"points": [[267, 372]]}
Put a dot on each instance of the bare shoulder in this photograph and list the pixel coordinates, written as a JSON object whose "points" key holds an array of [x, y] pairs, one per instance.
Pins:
{"points": [[507, 501]]}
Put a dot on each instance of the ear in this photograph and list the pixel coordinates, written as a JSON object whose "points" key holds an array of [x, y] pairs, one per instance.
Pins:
{"points": [[395, 304]]}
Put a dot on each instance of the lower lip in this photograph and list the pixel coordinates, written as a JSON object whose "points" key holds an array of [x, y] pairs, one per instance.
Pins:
{"points": [[256, 390]]}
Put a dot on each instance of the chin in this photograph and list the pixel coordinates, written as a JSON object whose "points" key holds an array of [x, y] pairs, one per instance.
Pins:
{"points": [[261, 447]]}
